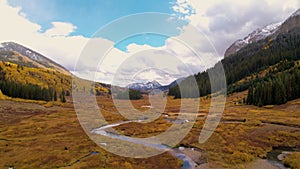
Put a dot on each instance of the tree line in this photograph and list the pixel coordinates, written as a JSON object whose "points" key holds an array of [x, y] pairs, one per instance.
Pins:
{"points": [[29, 91], [129, 94], [275, 89]]}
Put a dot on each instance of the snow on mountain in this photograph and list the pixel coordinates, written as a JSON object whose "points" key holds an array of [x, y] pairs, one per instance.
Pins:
{"points": [[35, 57], [144, 86], [255, 36], [297, 13], [259, 34], [267, 31]]}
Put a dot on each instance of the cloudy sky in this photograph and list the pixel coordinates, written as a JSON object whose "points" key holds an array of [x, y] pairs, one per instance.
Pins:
{"points": [[187, 37]]}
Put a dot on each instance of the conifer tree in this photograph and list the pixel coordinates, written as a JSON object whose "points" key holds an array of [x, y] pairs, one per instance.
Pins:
{"points": [[55, 96]]}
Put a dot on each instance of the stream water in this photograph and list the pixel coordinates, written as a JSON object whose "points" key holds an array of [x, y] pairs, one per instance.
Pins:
{"points": [[273, 155], [188, 163]]}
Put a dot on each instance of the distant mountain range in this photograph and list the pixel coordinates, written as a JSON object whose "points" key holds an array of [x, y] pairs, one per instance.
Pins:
{"points": [[150, 86], [144, 86], [262, 33]]}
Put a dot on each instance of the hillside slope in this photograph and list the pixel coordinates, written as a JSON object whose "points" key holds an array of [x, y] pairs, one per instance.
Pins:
{"points": [[22, 55], [27, 74], [21, 79]]}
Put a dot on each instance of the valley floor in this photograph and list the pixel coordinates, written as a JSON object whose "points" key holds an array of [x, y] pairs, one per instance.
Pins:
{"points": [[40, 135]]}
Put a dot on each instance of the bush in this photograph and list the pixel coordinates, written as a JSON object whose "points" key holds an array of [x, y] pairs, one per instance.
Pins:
{"points": [[292, 160], [239, 158]]}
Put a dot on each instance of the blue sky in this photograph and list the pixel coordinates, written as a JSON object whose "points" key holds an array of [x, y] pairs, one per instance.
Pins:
{"points": [[90, 16]]}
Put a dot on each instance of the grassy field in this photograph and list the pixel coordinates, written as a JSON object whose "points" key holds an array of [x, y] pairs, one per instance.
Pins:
{"points": [[33, 136], [246, 133], [48, 135]]}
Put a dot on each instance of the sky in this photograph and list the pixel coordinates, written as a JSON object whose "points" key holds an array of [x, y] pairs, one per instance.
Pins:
{"points": [[174, 38]]}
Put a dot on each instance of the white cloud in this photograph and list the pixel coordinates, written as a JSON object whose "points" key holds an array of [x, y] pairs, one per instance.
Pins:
{"points": [[183, 55], [224, 21], [164, 78], [60, 29], [14, 25]]}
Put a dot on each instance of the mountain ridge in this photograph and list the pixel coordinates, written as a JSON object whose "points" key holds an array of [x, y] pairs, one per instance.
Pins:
{"points": [[36, 59], [271, 30], [255, 36]]}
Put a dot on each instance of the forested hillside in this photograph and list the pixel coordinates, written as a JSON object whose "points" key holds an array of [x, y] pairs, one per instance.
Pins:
{"points": [[250, 61], [275, 88], [20, 81]]}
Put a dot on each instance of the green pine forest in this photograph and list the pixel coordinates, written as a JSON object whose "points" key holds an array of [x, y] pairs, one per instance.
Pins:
{"points": [[275, 89], [29, 91]]}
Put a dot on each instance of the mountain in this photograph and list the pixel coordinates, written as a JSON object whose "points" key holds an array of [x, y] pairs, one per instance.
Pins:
{"points": [[21, 55], [144, 86], [255, 36], [27, 74], [271, 31], [270, 64], [150, 86]]}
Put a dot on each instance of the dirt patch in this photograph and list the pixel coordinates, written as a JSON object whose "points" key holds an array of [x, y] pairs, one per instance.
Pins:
{"points": [[260, 163]]}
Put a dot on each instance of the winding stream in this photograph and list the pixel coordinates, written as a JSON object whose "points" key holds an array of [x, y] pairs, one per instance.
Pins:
{"points": [[188, 163]]}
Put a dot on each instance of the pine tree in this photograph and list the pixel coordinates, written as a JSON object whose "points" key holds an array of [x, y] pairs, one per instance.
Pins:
{"points": [[62, 96], [55, 96], [279, 92]]}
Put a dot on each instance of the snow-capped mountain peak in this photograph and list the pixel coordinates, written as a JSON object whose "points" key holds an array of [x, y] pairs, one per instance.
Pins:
{"points": [[259, 34], [150, 85], [271, 30], [153, 83], [255, 36]]}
